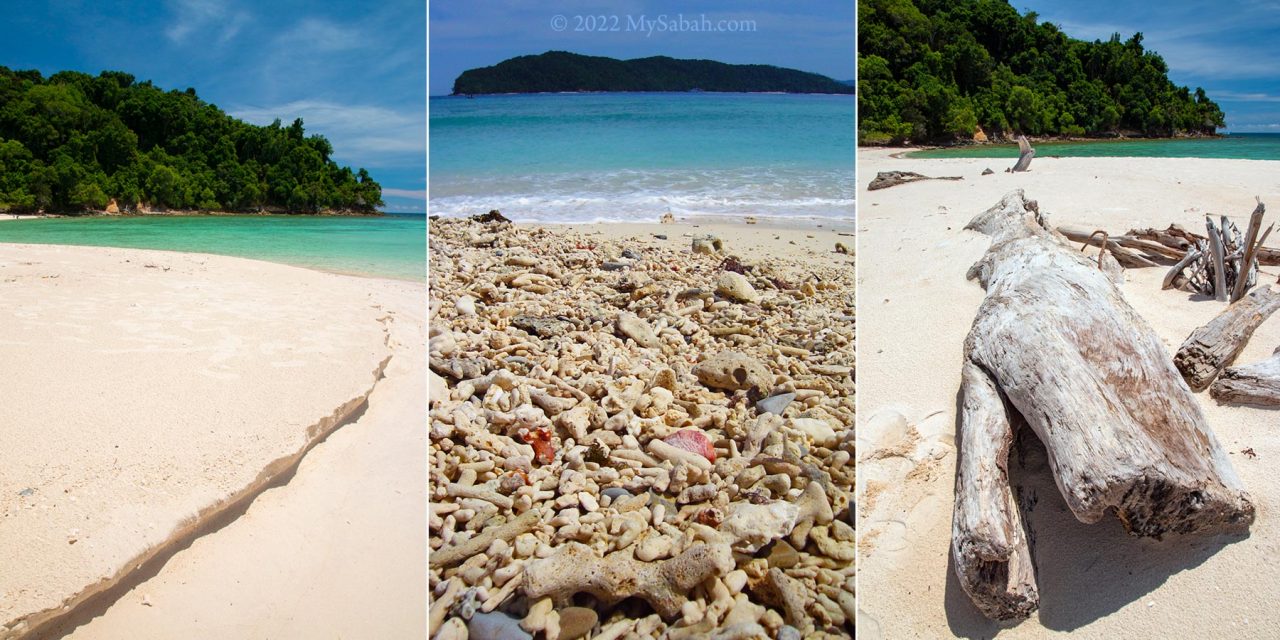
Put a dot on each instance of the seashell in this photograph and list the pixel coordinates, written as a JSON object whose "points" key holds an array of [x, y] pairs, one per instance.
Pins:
{"points": [[692, 440]]}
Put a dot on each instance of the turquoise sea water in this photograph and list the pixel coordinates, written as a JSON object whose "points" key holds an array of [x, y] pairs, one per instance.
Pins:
{"points": [[635, 156], [392, 246], [1245, 146]]}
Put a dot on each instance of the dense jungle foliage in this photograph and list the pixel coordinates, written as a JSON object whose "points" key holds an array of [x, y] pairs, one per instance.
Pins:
{"points": [[72, 142]]}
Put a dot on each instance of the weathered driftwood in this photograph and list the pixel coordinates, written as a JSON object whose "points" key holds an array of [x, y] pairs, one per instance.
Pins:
{"points": [[1025, 154], [1218, 254], [1058, 342], [1250, 249], [1213, 346], [991, 550], [1176, 237], [1117, 246], [1257, 383], [1174, 279], [886, 179]]}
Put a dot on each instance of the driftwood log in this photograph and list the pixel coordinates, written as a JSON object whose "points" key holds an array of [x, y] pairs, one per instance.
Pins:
{"points": [[1257, 383], [1212, 347], [1056, 346], [886, 179]]}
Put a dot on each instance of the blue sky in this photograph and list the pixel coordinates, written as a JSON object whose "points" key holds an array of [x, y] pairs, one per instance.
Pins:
{"points": [[1231, 48], [806, 35], [353, 71]]}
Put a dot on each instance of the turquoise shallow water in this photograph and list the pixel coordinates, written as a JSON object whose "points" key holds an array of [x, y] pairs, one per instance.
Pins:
{"points": [[1244, 146], [392, 246], [635, 156]]}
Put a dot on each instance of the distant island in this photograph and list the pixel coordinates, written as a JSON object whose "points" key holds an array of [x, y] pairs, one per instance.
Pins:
{"points": [[940, 72], [561, 71], [72, 143]]}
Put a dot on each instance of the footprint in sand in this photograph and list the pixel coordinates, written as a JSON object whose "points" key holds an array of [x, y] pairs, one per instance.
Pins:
{"points": [[905, 474]]}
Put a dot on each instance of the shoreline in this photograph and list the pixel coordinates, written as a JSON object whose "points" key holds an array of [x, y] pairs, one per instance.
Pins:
{"points": [[316, 269], [1095, 580], [245, 319], [842, 226]]}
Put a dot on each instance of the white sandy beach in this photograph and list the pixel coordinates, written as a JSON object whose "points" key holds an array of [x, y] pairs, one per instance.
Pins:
{"points": [[150, 395], [915, 309]]}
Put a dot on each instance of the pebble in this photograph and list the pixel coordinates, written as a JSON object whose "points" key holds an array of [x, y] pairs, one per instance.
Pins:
{"points": [[577, 622], [783, 555], [630, 254], [735, 286], [633, 327], [708, 245], [788, 632], [775, 404], [496, 626], [615, 493], [820, 431], [610, 265]]}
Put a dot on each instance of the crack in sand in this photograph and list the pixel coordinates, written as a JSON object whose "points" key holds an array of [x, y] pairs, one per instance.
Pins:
{"points": [[95, 598]]}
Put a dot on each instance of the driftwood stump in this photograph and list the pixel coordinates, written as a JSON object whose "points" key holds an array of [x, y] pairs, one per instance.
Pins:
{"points": [[1213, 346], [1257, 383], [1025, 154], [1055, 343]]}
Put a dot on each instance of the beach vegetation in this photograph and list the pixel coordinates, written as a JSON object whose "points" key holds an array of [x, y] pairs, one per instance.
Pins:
{"points": [[934, 71], [73, 142]]}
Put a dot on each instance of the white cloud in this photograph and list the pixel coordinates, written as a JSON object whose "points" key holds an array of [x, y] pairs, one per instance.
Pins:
{"points": [[413, 194], [322, 35], [1237, 96], [209, 17], [365, 135]]}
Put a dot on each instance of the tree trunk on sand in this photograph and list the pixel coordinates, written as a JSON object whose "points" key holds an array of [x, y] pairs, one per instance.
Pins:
{"points": [[1213, 346], [1055, 339], [1250, 384]]}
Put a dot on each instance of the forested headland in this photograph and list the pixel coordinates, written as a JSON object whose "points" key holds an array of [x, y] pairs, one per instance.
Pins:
{"points": [[561, 71], [73, 142], [934, 71]]}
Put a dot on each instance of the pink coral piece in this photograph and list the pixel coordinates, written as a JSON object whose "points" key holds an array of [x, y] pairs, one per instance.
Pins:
{"points": [[692, 440]]}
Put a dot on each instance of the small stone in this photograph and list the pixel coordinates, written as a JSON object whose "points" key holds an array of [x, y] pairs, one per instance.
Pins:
{"points": [[588, 502], [541, 327], [783, 555], [820, 431], [842, 248], [788, 632], [667, 218], [775, 404], [709, 245], [735, 286], [630, 254], [660, 236], [452, 629], [755, 525], [576, 622], [616, 493], [987, 171], [496, 626], [631, 326], [733, 371], [609, 265]]}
